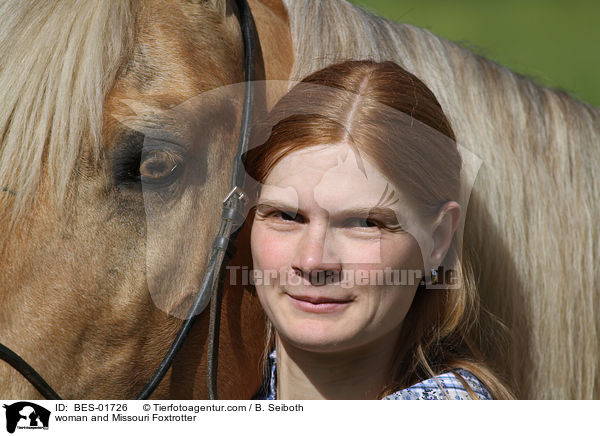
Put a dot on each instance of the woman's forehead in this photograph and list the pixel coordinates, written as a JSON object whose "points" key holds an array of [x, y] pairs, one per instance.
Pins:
{"points": [[339, 160], [332, 176]]}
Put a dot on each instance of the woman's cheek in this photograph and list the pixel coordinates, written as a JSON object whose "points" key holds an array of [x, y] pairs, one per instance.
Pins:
{"points": [[360, 252], [269, 250]]}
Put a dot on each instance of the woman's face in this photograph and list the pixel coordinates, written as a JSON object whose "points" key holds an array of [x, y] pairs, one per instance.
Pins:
{"points": [[335, 256]]}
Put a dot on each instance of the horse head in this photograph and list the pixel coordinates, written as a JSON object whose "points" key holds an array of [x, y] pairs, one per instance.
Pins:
{"points": [[121, 144]]}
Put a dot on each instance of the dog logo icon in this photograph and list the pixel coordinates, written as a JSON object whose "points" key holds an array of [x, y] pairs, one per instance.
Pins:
{"points": [[26, 415]]}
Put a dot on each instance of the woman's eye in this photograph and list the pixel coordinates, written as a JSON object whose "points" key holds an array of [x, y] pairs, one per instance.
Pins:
{"points": [[362, 222], [288, 216], [158, 167]]}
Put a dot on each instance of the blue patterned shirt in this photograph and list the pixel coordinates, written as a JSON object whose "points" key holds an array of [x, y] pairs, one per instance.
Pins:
{"points": [[430, 389]]}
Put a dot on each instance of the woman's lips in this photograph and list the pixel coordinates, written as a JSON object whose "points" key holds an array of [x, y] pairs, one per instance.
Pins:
{"points": [[313, 304]]}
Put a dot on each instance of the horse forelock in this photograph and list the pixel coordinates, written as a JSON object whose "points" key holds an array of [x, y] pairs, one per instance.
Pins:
{"points": [[71, 53]]}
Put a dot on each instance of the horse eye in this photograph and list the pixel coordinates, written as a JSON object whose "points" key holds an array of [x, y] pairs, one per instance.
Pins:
{"points": [[158, 166]]}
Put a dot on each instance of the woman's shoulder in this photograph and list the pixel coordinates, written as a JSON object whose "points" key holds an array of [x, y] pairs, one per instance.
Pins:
{"points": [[444, 386]]}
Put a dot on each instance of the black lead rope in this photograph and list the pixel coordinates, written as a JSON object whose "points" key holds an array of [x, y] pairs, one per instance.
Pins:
{"points": [[28, 372], [222, 247], [234, 203]]}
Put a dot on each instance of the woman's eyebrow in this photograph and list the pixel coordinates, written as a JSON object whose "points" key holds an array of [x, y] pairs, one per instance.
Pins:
{"points": [[276, 204], [384, 213], [390, 216]]}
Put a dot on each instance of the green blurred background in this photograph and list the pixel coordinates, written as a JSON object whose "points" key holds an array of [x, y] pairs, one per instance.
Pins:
{"points": [[555, 42]]}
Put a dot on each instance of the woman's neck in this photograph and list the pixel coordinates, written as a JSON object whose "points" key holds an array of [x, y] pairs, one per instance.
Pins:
{"points": [[357, 374]]}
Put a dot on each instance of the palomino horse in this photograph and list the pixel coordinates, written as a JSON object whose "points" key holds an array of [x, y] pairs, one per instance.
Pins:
{"points": [[78, 259], [74, 291]]}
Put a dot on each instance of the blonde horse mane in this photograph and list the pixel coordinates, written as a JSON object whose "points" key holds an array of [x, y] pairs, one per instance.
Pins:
{"points": [[531, 227], [59, 60], [531, 220]]}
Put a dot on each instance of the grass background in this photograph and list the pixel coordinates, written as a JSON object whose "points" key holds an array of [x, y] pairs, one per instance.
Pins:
{"points": [[555, 42]]}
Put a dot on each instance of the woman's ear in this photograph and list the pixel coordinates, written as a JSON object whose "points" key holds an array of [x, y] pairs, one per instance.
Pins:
{"points": [[443, 232]]}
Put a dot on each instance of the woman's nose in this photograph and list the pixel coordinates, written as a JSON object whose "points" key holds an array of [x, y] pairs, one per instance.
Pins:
{"points": [[317, 257]]}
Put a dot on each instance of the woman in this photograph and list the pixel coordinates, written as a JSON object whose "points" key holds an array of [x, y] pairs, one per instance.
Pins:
{"points": [[359, 177]]}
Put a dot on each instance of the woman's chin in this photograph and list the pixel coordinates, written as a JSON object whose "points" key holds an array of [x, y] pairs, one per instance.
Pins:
{"points": [[317, 337]]}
